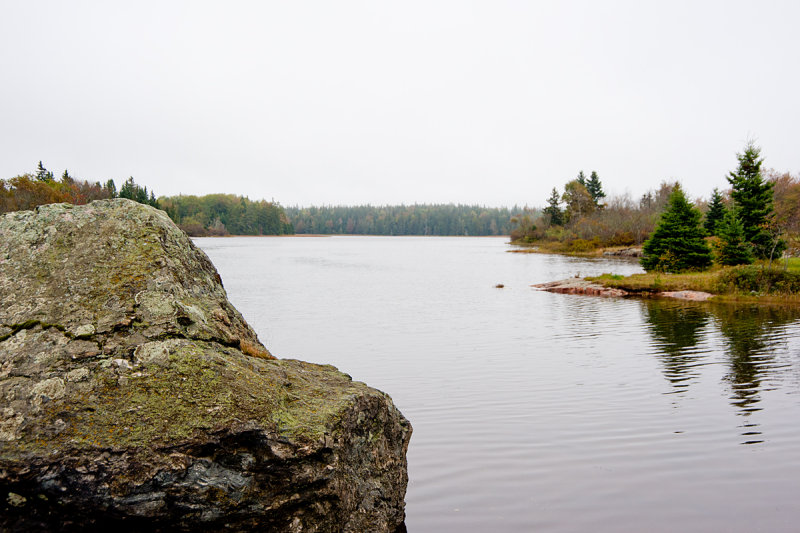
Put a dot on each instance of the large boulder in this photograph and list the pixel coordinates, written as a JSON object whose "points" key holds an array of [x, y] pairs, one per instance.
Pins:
{"points": [[134, 396]]}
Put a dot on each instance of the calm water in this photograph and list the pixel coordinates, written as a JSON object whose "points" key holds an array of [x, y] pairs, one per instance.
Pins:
{"points": [[535, 411]]}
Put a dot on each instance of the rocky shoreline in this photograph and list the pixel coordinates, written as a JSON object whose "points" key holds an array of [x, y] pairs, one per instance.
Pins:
{"points": [[590, 288]]}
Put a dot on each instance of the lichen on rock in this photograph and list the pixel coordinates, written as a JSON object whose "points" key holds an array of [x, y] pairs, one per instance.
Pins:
{"points": [[132, 392]]}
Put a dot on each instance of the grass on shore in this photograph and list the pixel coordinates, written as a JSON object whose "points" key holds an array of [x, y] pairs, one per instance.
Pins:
{"points": [[750, 283], [578, 248]]}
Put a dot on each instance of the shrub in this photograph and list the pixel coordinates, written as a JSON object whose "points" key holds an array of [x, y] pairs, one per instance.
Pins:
{"points": [[762, 280]]}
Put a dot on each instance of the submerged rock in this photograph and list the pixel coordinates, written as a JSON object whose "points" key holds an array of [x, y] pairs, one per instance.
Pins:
{"points": [[133, 395]]}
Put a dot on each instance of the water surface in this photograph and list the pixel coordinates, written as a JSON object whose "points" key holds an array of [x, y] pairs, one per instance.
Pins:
{"points": [[535, 411]]}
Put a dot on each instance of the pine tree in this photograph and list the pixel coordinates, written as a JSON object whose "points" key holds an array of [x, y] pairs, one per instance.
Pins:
{"points": [[581, 178], [677, 244], [553, 209], [43, 175], [752, 197], [595, 188], [732, 248], [715, 214]]}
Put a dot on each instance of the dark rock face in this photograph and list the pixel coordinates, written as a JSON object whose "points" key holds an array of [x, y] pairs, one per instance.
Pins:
{"points": [[134, 396]]}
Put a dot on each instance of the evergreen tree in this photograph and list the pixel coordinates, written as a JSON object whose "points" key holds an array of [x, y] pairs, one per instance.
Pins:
{"points": [[43, 175], [553, 209], [581, 178], [128, 189], [715, 214], [111, 187], [66, 178], [732, 249], [752, 197], [595, 188], [677, 244], [132, 191], [141, 195]]}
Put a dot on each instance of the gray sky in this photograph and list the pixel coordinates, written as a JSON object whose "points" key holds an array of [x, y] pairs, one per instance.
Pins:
{"points": [[339, 102]]}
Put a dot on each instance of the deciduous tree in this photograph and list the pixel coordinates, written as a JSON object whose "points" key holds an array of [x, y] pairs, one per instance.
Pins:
{"points": [[579, 201]]}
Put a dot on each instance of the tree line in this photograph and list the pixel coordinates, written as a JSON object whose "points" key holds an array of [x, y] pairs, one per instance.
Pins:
{"points": [[758, 216], [435, 219], [226, 214], [738, 232], [214, 214], [582, 218], [29, 190]]}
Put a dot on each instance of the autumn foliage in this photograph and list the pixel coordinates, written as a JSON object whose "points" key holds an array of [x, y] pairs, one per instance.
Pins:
{"points": [[26, 192]]}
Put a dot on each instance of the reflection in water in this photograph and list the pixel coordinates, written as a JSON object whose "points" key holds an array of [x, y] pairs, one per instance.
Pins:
{"points": [[754, 339], [535, 411], [677, 329], [753, 336]]}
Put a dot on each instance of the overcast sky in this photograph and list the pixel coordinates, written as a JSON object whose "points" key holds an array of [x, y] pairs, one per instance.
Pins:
{"points": [[339, 102]]}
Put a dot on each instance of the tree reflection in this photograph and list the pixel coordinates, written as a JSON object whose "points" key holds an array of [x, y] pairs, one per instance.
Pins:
{"points": [[754, 340], [677, 329], [752, 336]]}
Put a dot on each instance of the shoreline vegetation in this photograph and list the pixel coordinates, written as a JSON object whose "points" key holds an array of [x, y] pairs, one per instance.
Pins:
{"points": [[214, 215], [753, 284], [757, 283], [740, 245]]}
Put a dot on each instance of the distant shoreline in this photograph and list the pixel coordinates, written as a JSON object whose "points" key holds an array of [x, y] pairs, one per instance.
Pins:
{"points": [[348, 235]]}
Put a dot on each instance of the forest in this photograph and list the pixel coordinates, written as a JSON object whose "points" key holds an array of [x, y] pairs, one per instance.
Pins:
{"points": [[225, 214], [213, 214], [581, 219], [29, 190], [435, 219]]}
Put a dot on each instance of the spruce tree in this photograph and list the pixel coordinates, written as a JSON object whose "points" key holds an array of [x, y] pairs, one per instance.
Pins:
{"points": [[128, 189], [42, 174], [581, 178], [752, 197], [553, 209], [595, 188], [677, 244], [715, 213], [732, 249]]}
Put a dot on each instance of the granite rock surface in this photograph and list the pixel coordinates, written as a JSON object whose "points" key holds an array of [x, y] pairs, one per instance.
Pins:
{"points": [[134, 396]]}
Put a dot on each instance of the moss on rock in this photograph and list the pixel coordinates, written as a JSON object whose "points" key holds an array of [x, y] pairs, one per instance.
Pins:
{"points": [[132, 392]]}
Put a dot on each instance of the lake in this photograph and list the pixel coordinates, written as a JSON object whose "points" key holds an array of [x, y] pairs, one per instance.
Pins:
{"points": [[535, 411]]}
